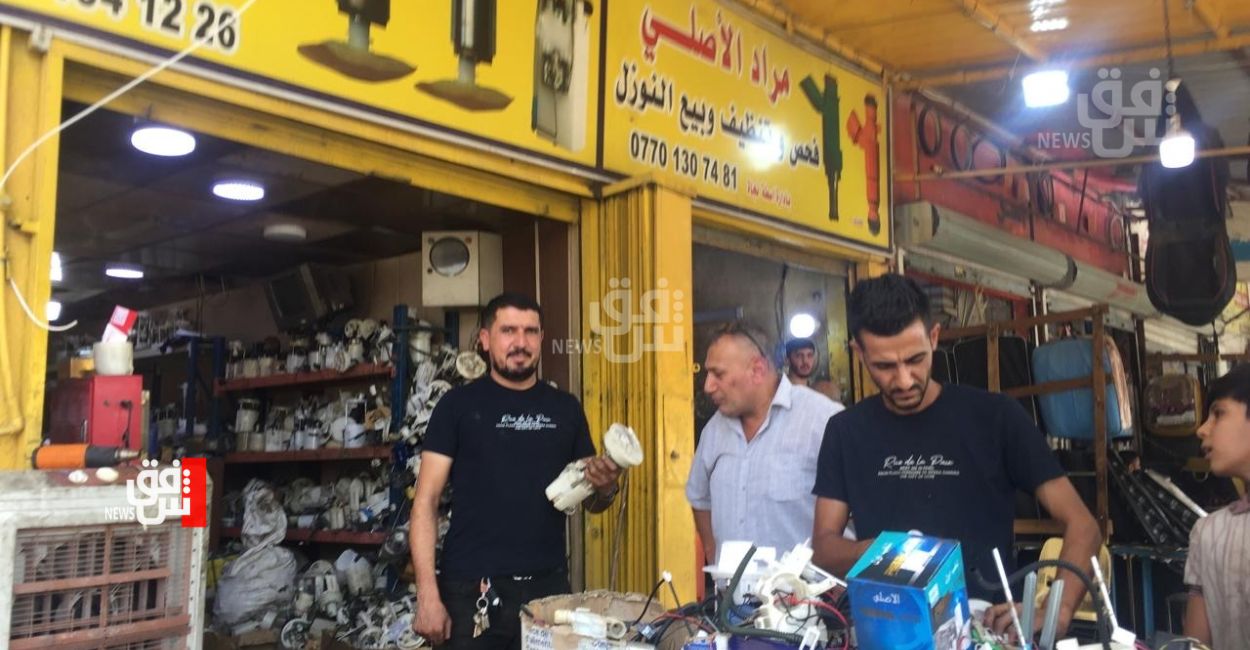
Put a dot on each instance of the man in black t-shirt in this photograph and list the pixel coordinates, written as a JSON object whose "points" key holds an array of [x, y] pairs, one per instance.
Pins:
{"points": [[945, 460], [500, 440]]}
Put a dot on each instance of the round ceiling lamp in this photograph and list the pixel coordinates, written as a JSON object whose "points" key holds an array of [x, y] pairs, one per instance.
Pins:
{"points": [[163, 141]]}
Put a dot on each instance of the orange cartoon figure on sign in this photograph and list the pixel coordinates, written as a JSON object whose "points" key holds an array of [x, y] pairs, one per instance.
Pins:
{"points": [[865, 137]]}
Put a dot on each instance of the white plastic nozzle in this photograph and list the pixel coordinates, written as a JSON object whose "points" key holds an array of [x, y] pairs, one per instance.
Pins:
{"points": [[622, 446]]}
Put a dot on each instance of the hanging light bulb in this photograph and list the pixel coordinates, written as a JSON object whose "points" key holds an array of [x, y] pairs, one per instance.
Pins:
{"points": [[1177, 148], [1046, 88]]}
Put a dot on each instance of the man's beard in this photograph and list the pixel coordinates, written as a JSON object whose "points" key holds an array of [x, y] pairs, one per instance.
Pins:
{"points": [[924, 390], [520, 374], [803, 375]]}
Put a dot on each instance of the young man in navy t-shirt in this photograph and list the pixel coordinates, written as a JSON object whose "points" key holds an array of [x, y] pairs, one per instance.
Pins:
{"points": [[945, 460]]}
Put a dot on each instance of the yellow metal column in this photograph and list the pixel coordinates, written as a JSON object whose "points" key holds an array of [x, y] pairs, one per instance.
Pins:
{"points": [[30, 81], [637, 282], [862, 271]]}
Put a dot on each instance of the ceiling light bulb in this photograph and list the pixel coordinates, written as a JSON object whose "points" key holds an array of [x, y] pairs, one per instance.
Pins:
{"points": [[162, 141], [52, 311], [1177, 149], [58, 271], [124, 272], [1046, 88], [286, 232], [1049, 25], [239, 190], [802, 326]]}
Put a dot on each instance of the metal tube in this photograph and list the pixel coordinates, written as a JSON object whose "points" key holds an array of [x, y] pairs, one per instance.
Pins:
{"points": [[1049, 627], [1226, 152], [358, 32], [1030, 608], [468, 69]]}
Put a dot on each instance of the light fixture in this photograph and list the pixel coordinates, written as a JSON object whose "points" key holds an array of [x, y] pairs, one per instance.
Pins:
{"points": [[1049, 25], [287, 233], [1176, 150], [52, 311], [58, 271], [1045, 88], [124, 271], [239, 189], [162, 141], [802, 325]]}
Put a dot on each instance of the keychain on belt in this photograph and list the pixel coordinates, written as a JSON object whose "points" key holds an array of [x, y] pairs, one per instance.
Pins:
{"points": [[487, 599]]}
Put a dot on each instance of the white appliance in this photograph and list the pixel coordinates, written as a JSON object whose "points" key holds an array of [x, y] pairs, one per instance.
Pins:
{"points": [[462, 268], [77, 573]]}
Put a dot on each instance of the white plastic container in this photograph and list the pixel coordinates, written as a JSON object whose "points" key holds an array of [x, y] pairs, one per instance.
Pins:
{"points": [[114, 358]]}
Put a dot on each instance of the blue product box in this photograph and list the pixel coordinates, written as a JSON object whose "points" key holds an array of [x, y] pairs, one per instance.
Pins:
{"points": [[908, 593]]}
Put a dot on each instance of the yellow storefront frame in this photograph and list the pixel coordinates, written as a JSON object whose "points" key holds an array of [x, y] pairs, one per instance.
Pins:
{"points": [[76, 69], [36, 77]]}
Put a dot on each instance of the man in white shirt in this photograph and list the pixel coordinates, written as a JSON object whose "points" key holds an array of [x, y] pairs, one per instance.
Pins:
{"points": [[755, 465]]}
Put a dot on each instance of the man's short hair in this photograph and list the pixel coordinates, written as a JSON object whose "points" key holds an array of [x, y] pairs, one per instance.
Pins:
{"points": [[509, 299], [794, 345], [886, 305], [744, 330], [1235, 386]]}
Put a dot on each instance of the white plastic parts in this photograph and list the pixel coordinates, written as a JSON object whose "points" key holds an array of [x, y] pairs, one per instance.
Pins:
{"points": [[589, 624], [622, 446], [571, 488]]}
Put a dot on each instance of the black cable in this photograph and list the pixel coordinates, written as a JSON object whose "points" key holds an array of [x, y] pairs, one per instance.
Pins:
{"points": [[954, 151], [930, 149], [1104, 626], [130, 413], [654, 591]]}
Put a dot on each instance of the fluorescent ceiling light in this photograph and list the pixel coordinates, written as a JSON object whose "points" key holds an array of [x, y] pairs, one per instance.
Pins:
{"points": [[162, 141], [237, 189], [124, 272], [52, 311], [1049, 25], [802, 325], [58, 271], [286, 232], [1046, 88]]}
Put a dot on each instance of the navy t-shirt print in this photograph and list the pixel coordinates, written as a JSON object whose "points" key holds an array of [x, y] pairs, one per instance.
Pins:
{"points": [[950, 471], [506, 446]]}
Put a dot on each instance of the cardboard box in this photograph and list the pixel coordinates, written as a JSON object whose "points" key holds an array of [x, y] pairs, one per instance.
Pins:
{"points": [[541, 633], [909, 592], [75, 368]]}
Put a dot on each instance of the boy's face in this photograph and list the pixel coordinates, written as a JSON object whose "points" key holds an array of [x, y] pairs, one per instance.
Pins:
{"points": [[1225, 438]]}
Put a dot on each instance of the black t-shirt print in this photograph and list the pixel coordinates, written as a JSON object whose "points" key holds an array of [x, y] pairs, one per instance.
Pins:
{"points": [[506, 447], [950, 471]]}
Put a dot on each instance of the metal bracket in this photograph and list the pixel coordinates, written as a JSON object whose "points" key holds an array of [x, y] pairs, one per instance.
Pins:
{"points": [[41, 39]]}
